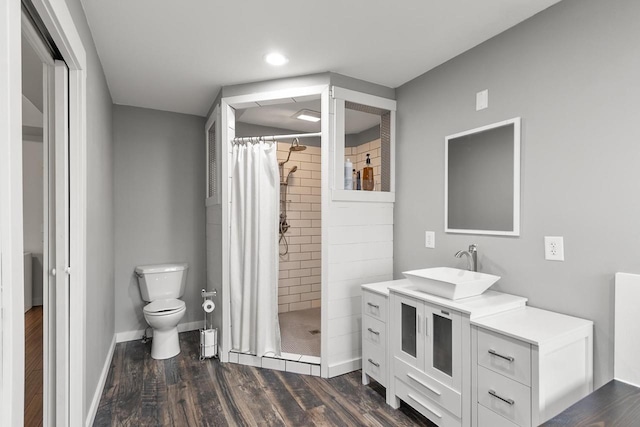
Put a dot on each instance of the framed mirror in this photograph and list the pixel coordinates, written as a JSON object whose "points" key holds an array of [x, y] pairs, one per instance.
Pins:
{"points": [[482, 180]]}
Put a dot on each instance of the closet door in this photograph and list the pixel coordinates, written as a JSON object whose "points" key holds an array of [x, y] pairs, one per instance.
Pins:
{"points": [[60, 272]]}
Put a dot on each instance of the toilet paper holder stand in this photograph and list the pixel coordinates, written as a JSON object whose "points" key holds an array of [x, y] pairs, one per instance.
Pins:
{"points": [[206, 295], [208, 336]]}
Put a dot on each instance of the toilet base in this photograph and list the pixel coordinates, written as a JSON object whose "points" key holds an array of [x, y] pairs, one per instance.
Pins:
{"points": [[165, 344]]}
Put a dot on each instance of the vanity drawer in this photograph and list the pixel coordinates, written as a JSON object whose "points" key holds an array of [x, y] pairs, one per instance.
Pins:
{"points": [[374, 305], [504, 396], [374, 362], [425, 406], [488, 418], [374, 331], [505, 355], [443, 395]]}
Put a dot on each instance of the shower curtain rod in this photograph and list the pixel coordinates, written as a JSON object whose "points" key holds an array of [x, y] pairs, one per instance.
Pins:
{"points": [[274, 137]]}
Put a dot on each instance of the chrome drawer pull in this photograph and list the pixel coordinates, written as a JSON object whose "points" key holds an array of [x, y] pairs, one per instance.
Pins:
{"points": [[505, 400], [377, 365], [493, 353], [373, 305], [373, 332], [425, 406], [434, 391]]}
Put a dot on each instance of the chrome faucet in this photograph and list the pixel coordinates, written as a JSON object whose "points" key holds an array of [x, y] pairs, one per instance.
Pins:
{"points": [[472, 257]]}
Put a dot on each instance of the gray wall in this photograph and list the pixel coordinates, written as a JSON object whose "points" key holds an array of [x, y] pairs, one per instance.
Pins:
{"points": [[100, 241], [571, 73], [159, 207]]}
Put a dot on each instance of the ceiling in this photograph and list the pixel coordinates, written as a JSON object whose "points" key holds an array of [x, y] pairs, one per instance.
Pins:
{"points": [[175, 56]]}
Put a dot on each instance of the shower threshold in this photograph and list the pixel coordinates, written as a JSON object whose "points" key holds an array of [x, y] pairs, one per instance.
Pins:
{"points": [[289, 362]]}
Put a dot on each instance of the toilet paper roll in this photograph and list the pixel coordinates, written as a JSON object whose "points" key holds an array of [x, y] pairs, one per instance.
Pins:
{"points": [[208, 306]]}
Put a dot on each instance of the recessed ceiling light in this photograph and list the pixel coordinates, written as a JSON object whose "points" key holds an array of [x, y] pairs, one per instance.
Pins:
{"points": [[308, 115], [275, 58]]}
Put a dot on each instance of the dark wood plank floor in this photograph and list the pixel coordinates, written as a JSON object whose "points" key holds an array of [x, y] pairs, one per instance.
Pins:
{"points": [[615, 404], [184, 391], [33, 367]]}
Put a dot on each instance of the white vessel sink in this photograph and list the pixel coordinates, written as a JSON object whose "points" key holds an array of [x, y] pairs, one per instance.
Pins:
{"points": [[451, 283]]}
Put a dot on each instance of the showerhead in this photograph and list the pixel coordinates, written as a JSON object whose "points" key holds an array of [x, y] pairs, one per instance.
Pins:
{"points": [[295, 146]]}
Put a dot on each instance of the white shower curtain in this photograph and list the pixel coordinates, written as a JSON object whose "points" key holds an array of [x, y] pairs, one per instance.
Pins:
{"points": [[253, 273]]}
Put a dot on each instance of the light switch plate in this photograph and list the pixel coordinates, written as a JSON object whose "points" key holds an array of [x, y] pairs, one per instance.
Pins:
{"points": [[554, 248], [482, 100], [429, 239]]}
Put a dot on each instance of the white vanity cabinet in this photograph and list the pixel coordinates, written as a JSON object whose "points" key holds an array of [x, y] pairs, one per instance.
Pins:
{"points": [[430, 357], [375, 333], [528, 366]]}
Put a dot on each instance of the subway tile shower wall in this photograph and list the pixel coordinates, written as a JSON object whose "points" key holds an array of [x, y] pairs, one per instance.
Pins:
{"points": [[300, 269]]}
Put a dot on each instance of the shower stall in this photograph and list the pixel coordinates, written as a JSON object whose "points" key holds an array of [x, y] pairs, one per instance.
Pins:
{"points": [[329, 240]]}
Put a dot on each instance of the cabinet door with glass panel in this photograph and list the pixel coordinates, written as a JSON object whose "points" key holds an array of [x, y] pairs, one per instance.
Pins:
{"points": [[443, 336], [409, 331], [428, 338]]}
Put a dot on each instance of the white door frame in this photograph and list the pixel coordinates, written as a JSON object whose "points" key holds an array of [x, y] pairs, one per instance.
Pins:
{"points": [[48, 365], [11, 276], [59, 23]]}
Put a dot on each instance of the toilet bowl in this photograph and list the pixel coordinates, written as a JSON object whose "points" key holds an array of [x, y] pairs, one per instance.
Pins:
{"points": [[162, 285], [163, 316]]}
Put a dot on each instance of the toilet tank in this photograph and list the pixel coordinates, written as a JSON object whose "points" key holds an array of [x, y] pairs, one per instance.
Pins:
{"points": [[162, 281]]}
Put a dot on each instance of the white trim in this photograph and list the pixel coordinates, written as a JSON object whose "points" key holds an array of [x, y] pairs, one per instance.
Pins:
{"points": [[251, 100], [95, 402], [362, 196], [364, 98], [516, 122], [58, 21], [137, 334], [226, 134], [336, 183], [345, 367], [328, 120], [11, 254], [227, 120]]}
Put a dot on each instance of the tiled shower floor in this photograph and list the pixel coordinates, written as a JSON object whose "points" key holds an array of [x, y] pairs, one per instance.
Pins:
{"points": [[300, 332]]}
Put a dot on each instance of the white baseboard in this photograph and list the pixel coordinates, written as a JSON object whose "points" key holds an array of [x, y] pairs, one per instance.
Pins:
{"points": [[95, 402], [344, 367], [136, 335]]}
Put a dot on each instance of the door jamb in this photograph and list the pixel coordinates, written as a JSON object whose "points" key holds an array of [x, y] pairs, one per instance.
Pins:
{"points": [[59, 23]]}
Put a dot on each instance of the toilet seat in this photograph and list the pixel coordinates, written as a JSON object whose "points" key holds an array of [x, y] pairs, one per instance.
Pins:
{"points": [[163, 307]]}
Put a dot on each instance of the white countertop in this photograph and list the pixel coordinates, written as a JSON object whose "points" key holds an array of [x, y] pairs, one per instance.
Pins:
{"points": [[482, 305], [533, 325], [382, 288]]}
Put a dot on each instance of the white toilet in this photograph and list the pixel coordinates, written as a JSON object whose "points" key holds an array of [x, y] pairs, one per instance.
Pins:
{"points": [[162, 285]]}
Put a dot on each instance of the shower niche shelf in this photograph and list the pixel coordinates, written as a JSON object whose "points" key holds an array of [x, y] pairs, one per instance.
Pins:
{"points": [[365, 143]]}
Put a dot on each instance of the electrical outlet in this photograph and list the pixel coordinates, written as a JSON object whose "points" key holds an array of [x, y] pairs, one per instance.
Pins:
{"points": [[429, 239], [554, 248]]}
